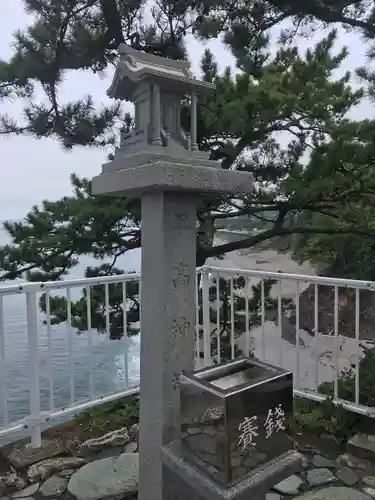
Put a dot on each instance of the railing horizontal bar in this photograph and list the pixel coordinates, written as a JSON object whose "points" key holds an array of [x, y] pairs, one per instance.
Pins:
{"points": [[347, 405], [93, 402], [13, 427], [40, 286], [320, 280], [25, 423]]}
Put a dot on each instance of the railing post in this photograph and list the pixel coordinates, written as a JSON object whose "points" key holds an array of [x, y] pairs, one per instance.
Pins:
{"points": [[3, 369], [206, 318], [126, 362], [33, 347]]}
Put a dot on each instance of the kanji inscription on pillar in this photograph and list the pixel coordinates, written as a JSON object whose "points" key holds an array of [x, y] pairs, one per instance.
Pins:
{"points": [[179, 329], [181, 274]]}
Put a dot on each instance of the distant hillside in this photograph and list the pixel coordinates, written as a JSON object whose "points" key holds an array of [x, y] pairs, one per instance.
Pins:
{"points": [[246, 223]]}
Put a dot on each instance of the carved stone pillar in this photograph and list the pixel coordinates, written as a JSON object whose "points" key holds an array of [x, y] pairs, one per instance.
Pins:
{"points": [[156, 140], [193, 124]]}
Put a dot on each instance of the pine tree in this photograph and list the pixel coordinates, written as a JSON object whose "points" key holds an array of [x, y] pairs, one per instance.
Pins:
{"points": [[291, 93]]}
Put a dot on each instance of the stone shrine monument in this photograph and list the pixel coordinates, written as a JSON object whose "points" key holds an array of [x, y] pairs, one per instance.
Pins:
{"points": [[156, 86], [161, 163]]}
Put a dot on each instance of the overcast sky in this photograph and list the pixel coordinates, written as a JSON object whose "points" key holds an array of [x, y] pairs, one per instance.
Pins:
{"points": [[32, 170]]}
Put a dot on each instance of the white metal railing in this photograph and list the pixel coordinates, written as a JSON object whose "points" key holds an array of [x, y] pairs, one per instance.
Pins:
{"points": [[24, 334], [48, 372], [314, 357]]}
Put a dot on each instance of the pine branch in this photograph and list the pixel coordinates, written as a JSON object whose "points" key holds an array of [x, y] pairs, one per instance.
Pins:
{"points": [[273, 233]]}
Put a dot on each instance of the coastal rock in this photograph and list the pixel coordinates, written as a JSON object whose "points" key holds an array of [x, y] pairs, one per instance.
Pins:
{"points": [[73, 445], [109, 477], [317, 477], [12, 480], [369, 481], [305, 462], [334, 493], [54, 486], [354, 462], [319, 461], [23, 498], [67, 472], [347, 476], [369, 491], [21, 454], [119, 437], [43, 470], [289, 486], [27, 492], [133, 433]]}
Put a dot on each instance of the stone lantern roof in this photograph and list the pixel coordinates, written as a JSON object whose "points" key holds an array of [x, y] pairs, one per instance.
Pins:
{"points": [[135, 67]]}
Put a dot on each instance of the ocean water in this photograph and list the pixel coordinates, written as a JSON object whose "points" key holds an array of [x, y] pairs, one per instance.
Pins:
{"points": [[108, 356]]}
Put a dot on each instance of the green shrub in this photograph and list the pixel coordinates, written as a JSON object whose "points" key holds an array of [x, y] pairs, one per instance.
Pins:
{"points": [[334, 420], [108, 417]]}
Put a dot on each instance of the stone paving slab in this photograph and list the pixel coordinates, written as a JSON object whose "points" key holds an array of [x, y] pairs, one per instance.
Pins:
{"points": [[105, 478], [21, 454], [289, 486], [334, 493], [117, 477], [27, 492], [55, 486]]}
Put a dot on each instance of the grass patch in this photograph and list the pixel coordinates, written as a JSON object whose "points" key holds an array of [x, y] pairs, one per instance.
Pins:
{"points": [[99, 420], [327, 419], [309, 416]]}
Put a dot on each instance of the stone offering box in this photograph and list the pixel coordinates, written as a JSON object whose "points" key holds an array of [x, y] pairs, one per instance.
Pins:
{"points": [[234, 417]]}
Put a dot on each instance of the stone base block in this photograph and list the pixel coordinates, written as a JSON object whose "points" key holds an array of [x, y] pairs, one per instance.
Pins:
{"points": [[165, 176], [182, 480]]}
